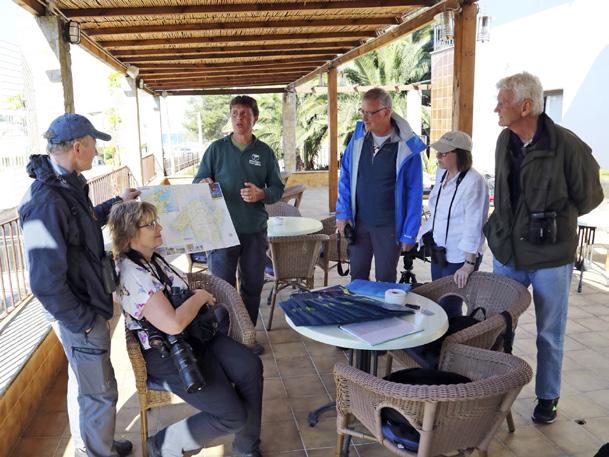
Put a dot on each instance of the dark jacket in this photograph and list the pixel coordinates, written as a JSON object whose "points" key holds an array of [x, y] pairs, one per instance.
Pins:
{"points": [[561, 176], [231, 168], [64, 245]]}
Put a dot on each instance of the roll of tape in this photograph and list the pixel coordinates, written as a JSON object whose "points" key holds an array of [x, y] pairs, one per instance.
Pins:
{"points": [[395, 296]]}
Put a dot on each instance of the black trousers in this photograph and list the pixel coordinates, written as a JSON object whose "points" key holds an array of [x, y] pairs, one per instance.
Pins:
{"points": [[224, 408]]}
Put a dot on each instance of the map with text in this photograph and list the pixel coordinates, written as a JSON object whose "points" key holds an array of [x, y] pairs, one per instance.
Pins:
{"points": [[194, 217]]}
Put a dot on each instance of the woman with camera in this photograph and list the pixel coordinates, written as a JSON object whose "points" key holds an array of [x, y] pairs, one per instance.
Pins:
{"points": [[210, 371], [458, 204]]}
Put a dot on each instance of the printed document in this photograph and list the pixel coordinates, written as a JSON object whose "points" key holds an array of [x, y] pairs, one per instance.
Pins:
{"points": [[382, 330]]}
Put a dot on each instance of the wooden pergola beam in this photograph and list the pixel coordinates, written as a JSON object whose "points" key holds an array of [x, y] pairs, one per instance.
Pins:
{"points": [[221, 39], [256, 7], [228, 91], [464, 67], [220, 83], [201, 66], [189, 78], [178, 52], [362, 89], [100, 30], [33, 7], [410, 25], [332, 138], [247, 55], [154, 74]]}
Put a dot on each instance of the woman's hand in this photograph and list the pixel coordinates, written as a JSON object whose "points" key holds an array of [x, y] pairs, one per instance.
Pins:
{"points": [[462, 274], [202, 296]]}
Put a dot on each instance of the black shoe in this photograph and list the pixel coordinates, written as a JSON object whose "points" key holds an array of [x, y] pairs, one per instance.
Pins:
{"points": [[153, 450], [123, 447], [545, 412], [258, 349]]}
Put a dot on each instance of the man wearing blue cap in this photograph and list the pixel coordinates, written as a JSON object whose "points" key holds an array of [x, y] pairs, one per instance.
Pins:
{"points": [[72, 277]]}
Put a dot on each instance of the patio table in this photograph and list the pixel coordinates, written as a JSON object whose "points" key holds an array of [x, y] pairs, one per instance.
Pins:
{"points": [[430, 317]]}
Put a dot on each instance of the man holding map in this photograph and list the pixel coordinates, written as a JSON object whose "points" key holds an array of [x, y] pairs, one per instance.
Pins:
{"points": [[248, 173]]}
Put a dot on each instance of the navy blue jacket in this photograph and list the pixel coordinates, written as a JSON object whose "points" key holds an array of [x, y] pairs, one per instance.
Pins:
{"points": [[65, 269]]}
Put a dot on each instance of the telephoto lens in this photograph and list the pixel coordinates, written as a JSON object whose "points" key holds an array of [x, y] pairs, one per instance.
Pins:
{"points": [[186, 363]]}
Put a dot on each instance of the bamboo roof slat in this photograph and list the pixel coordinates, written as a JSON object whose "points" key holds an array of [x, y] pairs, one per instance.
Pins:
{"points": [[212, 44]]}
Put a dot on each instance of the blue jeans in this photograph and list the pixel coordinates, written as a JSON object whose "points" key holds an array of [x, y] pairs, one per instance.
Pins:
{"points": [[551, 296]]}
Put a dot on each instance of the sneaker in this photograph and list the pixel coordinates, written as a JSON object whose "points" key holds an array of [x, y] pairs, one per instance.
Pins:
{"points": [[545, 412], [123, 447]]}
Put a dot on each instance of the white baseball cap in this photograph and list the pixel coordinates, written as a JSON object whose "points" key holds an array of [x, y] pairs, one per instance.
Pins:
{"points": [[453, 140]]}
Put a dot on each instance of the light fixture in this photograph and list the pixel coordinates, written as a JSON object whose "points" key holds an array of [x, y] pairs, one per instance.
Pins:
{"points": [[71, 32], [448, 25], [164, 94], [140, 83], [133, 71], [484, 28]]}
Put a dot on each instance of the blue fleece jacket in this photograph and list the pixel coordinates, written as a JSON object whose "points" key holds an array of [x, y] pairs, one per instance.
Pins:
{"points": [[408, 191]]}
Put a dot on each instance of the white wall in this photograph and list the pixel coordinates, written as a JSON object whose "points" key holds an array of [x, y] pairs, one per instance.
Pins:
{"points": [[566, 44]]}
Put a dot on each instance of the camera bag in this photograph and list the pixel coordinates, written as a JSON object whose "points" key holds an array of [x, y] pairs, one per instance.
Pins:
{"points": [[396, 427]]}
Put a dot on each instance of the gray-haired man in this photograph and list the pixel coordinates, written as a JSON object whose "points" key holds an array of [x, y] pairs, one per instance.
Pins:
{"points": [[67, 263]]}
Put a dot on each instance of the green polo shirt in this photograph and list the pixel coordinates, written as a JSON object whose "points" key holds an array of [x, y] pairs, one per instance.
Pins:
{"points": [[231, 168]]}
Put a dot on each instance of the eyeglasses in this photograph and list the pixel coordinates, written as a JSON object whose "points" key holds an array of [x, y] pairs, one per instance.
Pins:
{"points": [[152, 225], [370, 113], [443, 154]]}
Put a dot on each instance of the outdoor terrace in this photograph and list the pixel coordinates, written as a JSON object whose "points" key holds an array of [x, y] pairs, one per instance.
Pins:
{"points": [[298, 378]]}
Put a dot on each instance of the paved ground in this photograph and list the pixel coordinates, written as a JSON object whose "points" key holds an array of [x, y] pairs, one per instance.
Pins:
{"points": [[298, 378]]}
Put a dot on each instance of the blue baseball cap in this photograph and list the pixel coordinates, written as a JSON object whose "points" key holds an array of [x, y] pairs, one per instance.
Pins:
{"points": [[70, 126]]}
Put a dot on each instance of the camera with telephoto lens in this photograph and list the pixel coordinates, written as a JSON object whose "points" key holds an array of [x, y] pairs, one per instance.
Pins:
{"points": [[200, 330], [542, 228]]}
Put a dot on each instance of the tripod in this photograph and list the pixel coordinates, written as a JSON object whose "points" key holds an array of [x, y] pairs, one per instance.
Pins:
{"points": [[408, 277]]}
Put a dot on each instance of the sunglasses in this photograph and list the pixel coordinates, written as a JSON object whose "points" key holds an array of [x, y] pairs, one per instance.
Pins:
{"points": [[443, 154]]}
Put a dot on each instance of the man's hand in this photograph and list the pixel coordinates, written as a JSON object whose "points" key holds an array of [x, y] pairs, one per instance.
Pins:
{"points": [[206, 181], [341, 224], [462, 274], [407, 247], [252, 193], [130, 194]]}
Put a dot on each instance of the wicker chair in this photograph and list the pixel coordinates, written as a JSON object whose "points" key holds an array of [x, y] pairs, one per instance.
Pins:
{"points": [[492, 292], [448, 417], [282, 209], [293, 193], [240, 329], [294, 259], [330, 253]]}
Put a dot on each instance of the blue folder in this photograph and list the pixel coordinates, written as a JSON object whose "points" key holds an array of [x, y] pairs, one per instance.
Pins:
{"points": [[375, 289], [335, 306]]}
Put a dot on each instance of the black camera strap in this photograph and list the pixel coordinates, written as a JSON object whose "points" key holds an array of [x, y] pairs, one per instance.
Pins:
{"points": [[339, 265], [154, 268], [450, 207]]}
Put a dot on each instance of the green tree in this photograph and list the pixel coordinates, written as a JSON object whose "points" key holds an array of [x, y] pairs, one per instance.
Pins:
{"points": [[214, 115], [269, 127]]}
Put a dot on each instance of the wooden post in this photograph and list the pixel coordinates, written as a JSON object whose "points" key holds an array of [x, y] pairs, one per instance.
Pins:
{"points": [[464, 66], [139, 130], [52, 28], [333, 137], [289, 131]]}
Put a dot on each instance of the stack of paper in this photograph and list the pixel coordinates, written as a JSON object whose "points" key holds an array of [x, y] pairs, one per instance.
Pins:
{"points": [[380, 331]]}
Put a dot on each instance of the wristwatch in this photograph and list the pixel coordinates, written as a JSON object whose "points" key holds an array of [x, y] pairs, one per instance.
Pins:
{"points": [[470, 263]]}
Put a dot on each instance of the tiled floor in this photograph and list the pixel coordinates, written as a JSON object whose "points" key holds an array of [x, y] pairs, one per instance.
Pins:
{"points": [[298, 378]]}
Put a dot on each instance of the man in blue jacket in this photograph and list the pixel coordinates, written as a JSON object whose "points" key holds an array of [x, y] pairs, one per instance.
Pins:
{"points": [[380, 190], [67, 265]]}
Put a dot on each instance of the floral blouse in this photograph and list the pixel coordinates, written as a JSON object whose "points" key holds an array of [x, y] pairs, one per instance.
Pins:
{"points": [[136, 286]]}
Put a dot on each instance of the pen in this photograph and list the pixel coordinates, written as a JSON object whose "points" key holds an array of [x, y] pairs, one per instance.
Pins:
{"points": [[415, 307]]}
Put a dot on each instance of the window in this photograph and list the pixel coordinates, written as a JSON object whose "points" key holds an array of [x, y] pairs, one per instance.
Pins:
{"points": [[552, 104]]}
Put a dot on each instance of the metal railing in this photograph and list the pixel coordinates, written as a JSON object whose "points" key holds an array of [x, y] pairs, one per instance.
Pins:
{"points": [[104, 187], [183, 161], [14, 284]]}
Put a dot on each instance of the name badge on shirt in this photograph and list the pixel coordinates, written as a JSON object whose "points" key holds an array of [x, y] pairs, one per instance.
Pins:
{"points": [[255, 160]]}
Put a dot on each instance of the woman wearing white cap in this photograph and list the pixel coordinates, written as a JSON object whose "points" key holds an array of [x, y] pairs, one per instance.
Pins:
{"points": [[459, 207]]}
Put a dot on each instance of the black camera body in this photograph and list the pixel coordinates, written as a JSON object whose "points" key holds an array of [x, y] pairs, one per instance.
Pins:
{"points": [[431, 250], [349, 234], [108, 273], [542, 228]]}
